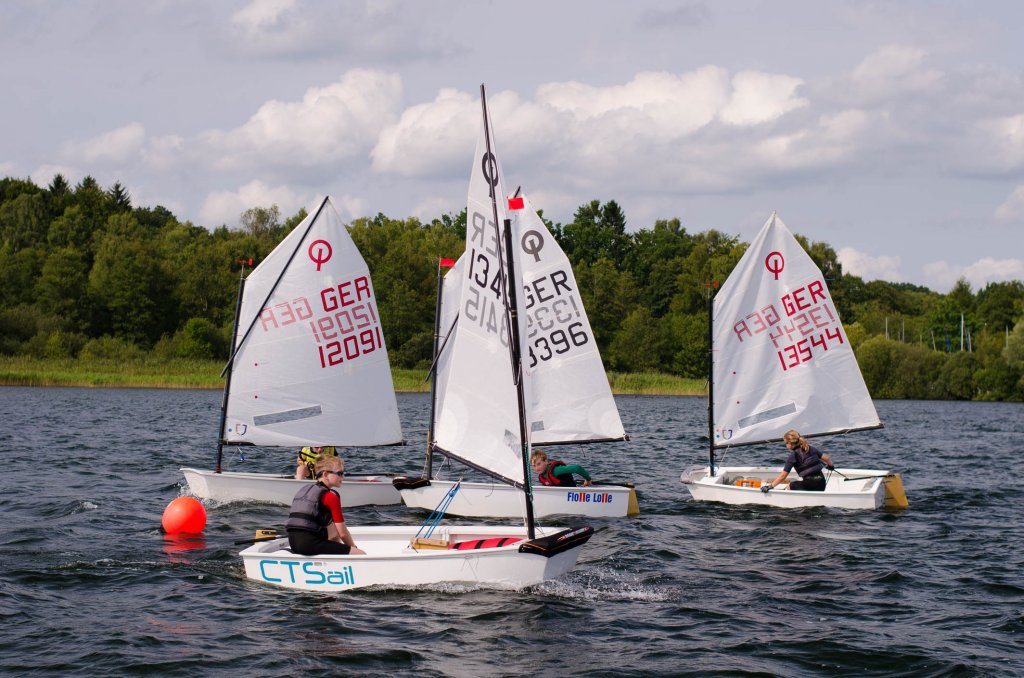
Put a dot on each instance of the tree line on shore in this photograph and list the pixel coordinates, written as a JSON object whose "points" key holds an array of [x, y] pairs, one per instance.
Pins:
{"points": [[85, 274]]}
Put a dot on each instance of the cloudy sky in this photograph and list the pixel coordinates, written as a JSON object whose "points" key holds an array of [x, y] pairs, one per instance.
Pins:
{"points": [[894, 131]]}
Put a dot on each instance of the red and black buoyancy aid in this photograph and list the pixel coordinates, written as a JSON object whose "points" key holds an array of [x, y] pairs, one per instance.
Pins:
{"points": [[308, 512], [548, 477]]}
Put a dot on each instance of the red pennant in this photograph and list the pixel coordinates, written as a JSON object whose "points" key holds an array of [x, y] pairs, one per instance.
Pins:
{"points": [[515, 204], [446, 263]]}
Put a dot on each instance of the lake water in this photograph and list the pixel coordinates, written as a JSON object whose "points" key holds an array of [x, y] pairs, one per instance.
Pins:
{"points": [[89, 585]]}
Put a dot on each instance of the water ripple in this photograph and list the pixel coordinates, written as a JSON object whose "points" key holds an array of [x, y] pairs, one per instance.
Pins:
{"points": [[683, 589]]}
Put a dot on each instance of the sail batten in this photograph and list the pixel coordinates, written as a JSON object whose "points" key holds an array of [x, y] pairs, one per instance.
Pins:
{"points": [[782, 358], [312, 369], [836, 432]]}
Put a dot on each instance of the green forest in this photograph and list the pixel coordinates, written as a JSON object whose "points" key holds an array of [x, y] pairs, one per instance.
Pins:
{"points": [[85, 274]]}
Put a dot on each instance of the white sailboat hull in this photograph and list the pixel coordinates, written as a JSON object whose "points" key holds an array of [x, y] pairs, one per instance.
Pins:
{"points": [[497, 500], [390, 561], [267, 488], [862, 493]]}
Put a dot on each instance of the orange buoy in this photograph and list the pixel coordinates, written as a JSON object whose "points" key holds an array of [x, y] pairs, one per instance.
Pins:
{"points": [[184, 514]]}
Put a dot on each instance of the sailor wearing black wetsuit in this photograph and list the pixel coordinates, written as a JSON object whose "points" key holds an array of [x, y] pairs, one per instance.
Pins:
{"points": [[808, 461]]}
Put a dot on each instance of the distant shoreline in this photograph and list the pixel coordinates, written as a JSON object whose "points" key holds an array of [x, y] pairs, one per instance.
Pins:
{"points": [[41, 372]]}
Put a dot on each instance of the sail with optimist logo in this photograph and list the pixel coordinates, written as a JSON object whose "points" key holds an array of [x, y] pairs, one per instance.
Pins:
{"points": [[571, 399], [309, 366], [781, 356]]}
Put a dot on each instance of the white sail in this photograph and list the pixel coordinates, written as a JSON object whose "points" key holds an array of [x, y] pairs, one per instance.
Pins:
{"points": [[478, 408], [781, 357], [311, 367], [572, 401], [448, 327]]}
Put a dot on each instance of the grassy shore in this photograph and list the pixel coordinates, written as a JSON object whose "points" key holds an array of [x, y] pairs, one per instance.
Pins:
{"points": [[151, 373]]}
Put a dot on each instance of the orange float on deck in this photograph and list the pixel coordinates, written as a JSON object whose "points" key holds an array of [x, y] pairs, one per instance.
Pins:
{"points": [[184, 514], [748, 482]]}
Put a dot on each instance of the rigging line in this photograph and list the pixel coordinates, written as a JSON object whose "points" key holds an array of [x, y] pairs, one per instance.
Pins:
{"points": [[884, 475], [440, 350], [477, 467], [445, 461], [428, 459], [227, 382], [432, 521]]}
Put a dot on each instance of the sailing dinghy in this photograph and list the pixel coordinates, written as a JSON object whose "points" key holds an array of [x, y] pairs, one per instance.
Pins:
{"points": [[780, 360], [572, 402], [309, 366], [488, 393]]}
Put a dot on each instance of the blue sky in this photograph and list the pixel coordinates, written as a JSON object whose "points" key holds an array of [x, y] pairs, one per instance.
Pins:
{"points": [[894, 131]]}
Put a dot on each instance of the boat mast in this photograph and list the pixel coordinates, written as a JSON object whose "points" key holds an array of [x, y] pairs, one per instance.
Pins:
{"points": [[228, 371], [512, 313], [517, 373], [428, 466], [711, 385]]}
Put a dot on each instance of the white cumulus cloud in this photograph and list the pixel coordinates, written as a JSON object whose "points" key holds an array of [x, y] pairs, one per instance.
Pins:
{"points": [[660, 131], [44, 174], [761, 97], [428, 137], [869, 267], [262, 15], [661, 104], [1001, 142], [225, 207], [1012, 210], [114, 147], [893, 71], [942, 275], [327, 127]]}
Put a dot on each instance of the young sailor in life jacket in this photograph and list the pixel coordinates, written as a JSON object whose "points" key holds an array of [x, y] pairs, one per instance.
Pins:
{"points": [[557, 472], [315, 523], [307, 458]]}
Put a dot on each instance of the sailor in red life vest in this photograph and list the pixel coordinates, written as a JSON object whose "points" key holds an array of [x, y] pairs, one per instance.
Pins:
{"points": [[556, 472], [315, 523]]}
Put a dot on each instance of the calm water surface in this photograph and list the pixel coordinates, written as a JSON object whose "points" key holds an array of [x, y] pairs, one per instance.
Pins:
{"points": [[89, 585]]}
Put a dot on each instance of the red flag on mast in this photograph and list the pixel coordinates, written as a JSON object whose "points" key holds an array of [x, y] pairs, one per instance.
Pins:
{"points": [[445, 263]]}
